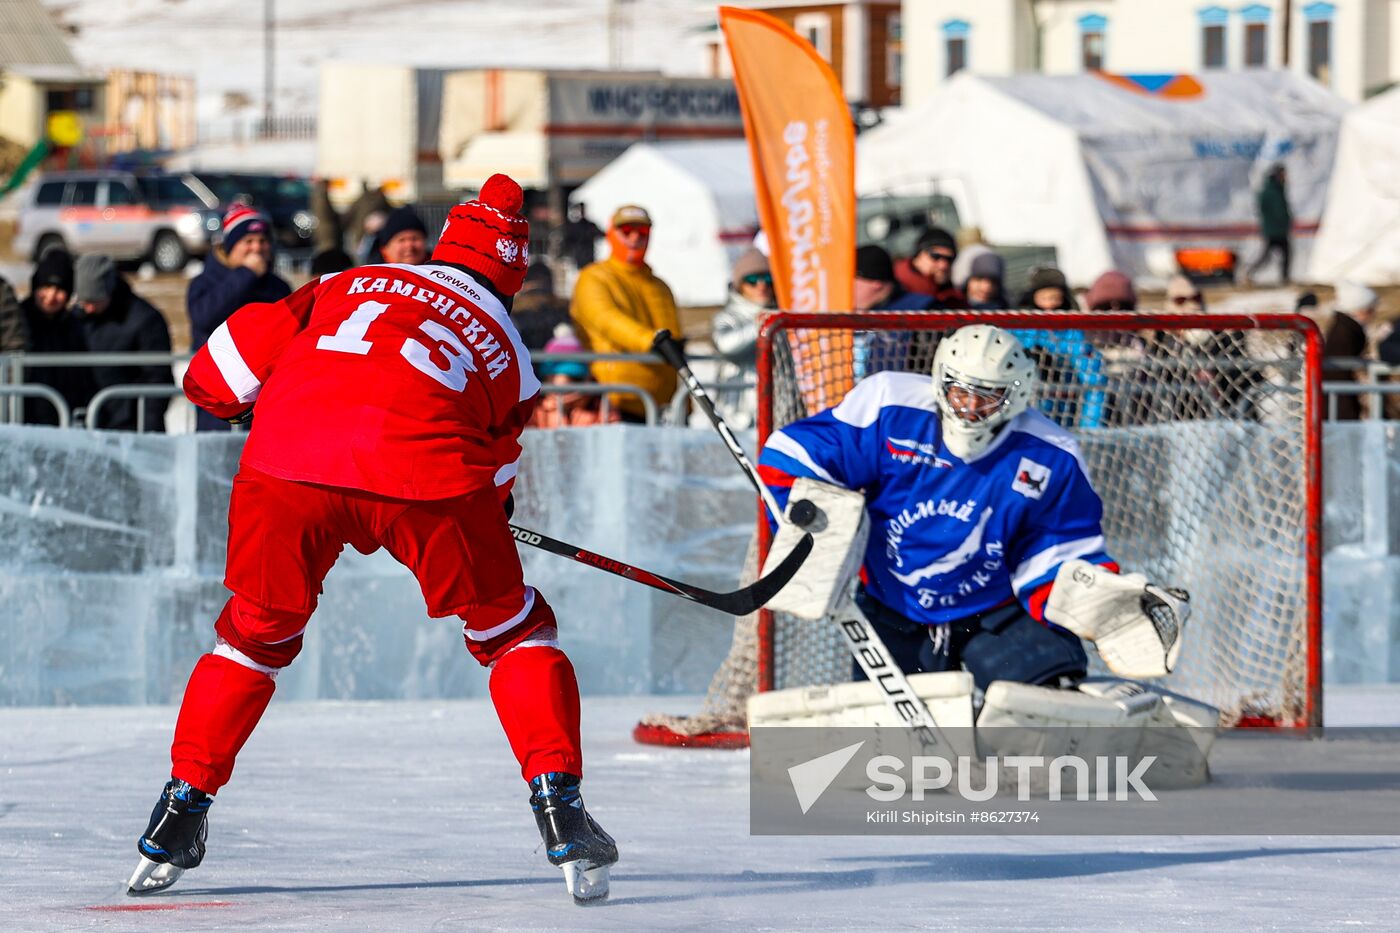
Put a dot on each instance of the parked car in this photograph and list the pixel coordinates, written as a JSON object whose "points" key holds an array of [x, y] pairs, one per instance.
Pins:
{"points": [[285, 198], [160, 217]]}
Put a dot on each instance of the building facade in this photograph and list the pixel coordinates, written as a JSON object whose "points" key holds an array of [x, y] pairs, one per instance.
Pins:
{"points": [[1345, 45], [860, 39]]}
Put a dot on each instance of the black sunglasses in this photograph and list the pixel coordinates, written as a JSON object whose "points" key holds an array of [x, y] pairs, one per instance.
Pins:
{"points": [[758, 278]]}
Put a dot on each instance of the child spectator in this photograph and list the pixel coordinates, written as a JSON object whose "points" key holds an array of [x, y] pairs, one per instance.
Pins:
{"points": [[568, 409]]}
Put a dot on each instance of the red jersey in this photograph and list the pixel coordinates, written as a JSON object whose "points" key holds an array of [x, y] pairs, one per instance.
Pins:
{"points": [[405, 381]]}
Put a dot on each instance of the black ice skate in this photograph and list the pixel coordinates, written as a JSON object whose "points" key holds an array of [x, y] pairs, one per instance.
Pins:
{"points": [[573, 840], [174, 839]]}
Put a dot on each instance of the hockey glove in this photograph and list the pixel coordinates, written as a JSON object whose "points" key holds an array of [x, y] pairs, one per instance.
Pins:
{"points": [[1135, 625]]}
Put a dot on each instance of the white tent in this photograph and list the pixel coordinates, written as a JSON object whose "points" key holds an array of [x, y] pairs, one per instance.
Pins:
{"points": [[1360, 235], [700, 197], [1114, 171]]}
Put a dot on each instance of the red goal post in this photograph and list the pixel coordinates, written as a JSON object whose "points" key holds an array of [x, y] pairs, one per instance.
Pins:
{"points": [[1202, 434]]}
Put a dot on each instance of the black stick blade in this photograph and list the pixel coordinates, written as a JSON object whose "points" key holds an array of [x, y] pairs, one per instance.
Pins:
{"points": [[741, 602]]}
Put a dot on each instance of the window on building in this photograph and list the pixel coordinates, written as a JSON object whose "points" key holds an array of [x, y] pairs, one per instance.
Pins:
{"points": [[1320, 51], [1213, 20], [956, 55], [69, 98], [1092, 45], [1256, 35], [1213, 46], [1091, 51], [955, 32], [894, 50], [1256, 45], [816, 29]]}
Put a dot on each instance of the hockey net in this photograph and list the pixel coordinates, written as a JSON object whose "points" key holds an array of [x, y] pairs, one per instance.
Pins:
{"points": [[1200, 433]]}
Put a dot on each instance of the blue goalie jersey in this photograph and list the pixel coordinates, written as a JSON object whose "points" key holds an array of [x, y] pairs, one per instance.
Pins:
{"points": [[948, 538]]}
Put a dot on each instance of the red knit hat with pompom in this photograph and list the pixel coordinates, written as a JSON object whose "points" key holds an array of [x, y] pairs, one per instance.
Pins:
{"points": [[489, 235]]}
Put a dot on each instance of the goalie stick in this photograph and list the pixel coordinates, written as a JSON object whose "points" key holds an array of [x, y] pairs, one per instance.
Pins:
{"points": [[741, 602], [864, 643]]}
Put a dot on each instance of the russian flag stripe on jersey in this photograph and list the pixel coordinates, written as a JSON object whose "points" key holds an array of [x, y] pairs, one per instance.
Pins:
{"points": [[948, 539], [235, 372]]}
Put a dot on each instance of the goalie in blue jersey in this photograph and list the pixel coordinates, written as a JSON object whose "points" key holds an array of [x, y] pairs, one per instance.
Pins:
{"points": [[985, 549]]}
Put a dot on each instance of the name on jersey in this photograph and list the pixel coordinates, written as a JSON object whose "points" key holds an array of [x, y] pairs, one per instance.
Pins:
{"points": [[912, 451], [898, 524], [492, 353]]}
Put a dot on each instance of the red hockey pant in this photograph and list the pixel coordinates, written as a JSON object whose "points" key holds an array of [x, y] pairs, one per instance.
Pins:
{"points": [[283, 539]]}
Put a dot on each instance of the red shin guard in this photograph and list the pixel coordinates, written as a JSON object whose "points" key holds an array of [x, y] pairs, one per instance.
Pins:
{"points": [[536, 698], [223, 703]]}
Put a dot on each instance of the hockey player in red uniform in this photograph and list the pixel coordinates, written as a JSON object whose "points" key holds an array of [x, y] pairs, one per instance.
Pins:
{"points": [[390, 401]]}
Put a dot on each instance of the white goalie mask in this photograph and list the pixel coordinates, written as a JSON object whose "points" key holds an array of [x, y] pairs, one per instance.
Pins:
{"points": [[982, 378]]}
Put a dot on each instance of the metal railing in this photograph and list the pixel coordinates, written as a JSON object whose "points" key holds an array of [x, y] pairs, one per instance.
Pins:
{"points": [[65, 416], [651, 413], [13, 389], [136, 391]]}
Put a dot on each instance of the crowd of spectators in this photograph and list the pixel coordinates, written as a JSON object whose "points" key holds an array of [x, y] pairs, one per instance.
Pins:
{"points": [[579, 302], [85, 307]]}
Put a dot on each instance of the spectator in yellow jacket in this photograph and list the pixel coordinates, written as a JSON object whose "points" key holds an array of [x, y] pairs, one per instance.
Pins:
{"points": [[619, 305]]}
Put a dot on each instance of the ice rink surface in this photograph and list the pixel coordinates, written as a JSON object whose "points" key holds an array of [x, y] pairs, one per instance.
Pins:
{"points": [[407, 816]]}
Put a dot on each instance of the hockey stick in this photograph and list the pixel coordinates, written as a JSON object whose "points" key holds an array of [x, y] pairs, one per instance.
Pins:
{"points": [[865, 644], [741, 602], [670, 351]]}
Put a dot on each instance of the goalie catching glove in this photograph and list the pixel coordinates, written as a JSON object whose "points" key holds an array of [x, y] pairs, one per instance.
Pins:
{"points": [[1135, 625]]}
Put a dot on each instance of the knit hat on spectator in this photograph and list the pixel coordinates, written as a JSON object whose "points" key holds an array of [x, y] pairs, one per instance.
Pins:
{"points": [[242, 220], [397, 221], [1047, 277], [987, 265], [55, 267], [873, 263], [94, 278], [489, 235], [936, 236], [1113, 287], [564, 341], [750, 262], [1353, 297]]}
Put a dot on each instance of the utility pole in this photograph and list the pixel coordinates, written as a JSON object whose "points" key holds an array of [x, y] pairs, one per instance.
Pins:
{"points": [[1287, 31], [268, 80], [616, 32]]}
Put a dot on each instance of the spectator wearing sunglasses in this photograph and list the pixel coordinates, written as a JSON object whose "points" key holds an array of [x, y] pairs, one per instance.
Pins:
{"points": [[930, 270], [619, 304], [734, 332], [1183, 296]]}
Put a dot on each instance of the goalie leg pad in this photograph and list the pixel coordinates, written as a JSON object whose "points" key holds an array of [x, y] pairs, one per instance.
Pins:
{"points": [[1135, 625], [1105, 717], [948, 696], [839, 533]]}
